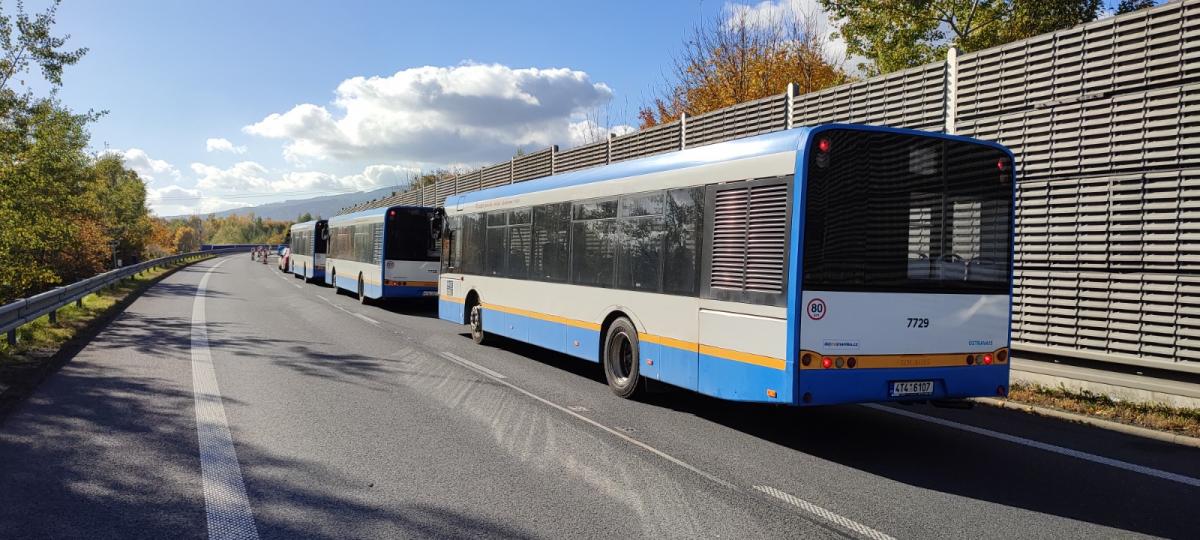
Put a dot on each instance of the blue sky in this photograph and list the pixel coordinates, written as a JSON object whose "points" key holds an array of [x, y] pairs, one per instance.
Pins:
{"points": [[312, 98]]}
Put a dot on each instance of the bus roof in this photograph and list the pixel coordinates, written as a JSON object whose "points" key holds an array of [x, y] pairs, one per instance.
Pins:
{"points": [[759, 145], [373, 212], [311, 224]]}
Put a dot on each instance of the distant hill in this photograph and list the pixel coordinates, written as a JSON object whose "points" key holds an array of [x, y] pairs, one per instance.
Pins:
{"points": [[325, 206]]}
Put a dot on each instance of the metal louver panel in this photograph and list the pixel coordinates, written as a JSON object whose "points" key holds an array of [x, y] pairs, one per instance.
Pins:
{"points": [[729, 238], [749, 237], [766, 238]]}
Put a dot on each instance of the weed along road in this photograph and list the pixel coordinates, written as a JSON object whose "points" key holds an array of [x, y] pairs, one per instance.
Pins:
{"points": [[234, 401]]}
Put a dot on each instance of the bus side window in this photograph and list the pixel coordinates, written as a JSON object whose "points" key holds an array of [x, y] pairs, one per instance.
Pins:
{"points": [[681, 265]]}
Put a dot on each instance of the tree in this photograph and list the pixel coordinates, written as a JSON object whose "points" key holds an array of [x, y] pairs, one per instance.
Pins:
{"points": [[304, 217], [1133, 5], [186, 240], [738, 58], [898, 34], [124, 200]]}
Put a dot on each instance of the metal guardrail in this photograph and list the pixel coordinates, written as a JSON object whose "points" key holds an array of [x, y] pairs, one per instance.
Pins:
{"points": [[26, 310]]}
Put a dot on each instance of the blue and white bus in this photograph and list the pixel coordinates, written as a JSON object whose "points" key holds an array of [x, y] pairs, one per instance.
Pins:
{"points": [[385, 252], [823, 265], [308, 244]]}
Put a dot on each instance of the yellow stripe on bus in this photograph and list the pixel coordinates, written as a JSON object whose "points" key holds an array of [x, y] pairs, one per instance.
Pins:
{"points": [[543, 316], [710, 350], [719, 352]]}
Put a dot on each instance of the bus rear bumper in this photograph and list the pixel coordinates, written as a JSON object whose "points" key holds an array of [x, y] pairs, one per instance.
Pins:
{"points": [[837, 386], [397, 291]]}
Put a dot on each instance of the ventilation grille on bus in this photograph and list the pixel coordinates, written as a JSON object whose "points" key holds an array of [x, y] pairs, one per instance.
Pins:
{"points": [[749, 238]]}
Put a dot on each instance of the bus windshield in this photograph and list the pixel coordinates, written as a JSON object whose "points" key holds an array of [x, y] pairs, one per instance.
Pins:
{"points": [[891, 212], [410, 235]]}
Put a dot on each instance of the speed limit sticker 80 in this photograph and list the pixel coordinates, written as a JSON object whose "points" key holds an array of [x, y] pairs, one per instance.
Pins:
{"points": [[816, 309]]}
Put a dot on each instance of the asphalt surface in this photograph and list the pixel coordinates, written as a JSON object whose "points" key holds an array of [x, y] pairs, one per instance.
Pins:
{"points": [[353, 421]]}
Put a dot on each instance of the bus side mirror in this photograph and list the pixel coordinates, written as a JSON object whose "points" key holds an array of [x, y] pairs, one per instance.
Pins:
{"points": [[435, 227]]}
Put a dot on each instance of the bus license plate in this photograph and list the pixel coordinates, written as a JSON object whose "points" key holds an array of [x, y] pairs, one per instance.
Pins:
{"points": [[429, 293], [912, 388]]}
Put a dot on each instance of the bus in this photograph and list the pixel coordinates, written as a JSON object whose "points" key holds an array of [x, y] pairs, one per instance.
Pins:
{"points": [[308, 241], [822, 265], [387, 252]]}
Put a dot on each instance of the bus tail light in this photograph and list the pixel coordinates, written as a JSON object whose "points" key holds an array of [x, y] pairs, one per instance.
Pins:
{"points": [[1002, 356], [824, 146], [827, 362], [987, 359], [806, 359], [851, 362], [970, 359]]}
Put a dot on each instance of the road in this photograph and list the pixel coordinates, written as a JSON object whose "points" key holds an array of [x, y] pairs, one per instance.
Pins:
{"points": [[384, 422]]}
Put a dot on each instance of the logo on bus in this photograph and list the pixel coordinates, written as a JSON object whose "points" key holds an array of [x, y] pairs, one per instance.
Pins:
{"points": [[816, 309]]}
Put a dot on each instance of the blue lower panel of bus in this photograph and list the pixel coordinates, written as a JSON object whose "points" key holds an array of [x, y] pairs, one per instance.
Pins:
{"points": [[730, 379], [385, 291], [452, 311], [579, 342], [671, 365], [853, 386]]}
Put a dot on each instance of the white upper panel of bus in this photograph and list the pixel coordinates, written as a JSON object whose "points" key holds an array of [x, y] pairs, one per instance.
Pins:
{"points": [[772, 154]]}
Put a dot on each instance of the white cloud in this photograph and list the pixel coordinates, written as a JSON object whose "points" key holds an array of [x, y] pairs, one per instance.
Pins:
{"points": [[768, 12], [245, 176], [223, 145], [372, 177], [470, 113], [587, 131], [148, 169], [176, 200]]}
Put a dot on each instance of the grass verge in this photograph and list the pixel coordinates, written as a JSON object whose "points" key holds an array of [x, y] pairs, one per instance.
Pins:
{"points": [[39, 343], [1157, 417]]}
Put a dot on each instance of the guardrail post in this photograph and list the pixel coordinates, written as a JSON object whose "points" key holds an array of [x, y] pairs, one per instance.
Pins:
{"points": [[53, 316], [12, 337], [79, 302]]}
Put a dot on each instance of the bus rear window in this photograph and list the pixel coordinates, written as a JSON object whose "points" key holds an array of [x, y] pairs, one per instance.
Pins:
{"points": [[411, 235], [906, 213]]}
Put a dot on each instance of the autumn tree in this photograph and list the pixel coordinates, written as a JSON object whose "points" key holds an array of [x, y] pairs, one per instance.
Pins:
{"points": [[186, 240], [898, 34], [740, 57]]}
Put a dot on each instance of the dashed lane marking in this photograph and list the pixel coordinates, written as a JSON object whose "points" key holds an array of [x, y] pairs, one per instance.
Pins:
{"points": [[614, 432], [827, 515], [477, 367], [364, 317], [225, 502], [1123, 465]]}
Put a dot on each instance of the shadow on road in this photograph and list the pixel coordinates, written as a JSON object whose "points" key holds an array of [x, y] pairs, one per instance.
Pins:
{"points": [[113, 453], [932, 457]]}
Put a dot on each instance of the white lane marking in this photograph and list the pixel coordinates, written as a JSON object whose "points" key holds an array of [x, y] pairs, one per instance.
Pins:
{"points": [[596, 424], [1124, 465], [225, 500], [478, 367], [827, 515], [365, 318]]}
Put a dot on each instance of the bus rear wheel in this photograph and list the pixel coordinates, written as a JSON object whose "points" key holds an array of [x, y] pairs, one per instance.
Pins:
{"points": [[477, 334], [362, 291], [621, 359]]}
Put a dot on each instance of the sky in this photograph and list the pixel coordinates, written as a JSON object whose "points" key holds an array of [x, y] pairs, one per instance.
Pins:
{"points": [[220, 104]]}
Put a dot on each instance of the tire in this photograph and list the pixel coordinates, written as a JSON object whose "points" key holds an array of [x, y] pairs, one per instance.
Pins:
{"points": [[621, 359], [362, 292], [333, 279], [475, 320]]}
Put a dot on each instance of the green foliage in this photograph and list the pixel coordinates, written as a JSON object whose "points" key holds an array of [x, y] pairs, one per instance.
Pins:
{"points": [[898, 34], [304, 217], [188, 233], [59, 206]]}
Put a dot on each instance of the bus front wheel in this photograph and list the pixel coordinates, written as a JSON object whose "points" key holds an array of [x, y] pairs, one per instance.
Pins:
{"points": [[477, 334], [621, 359]]}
